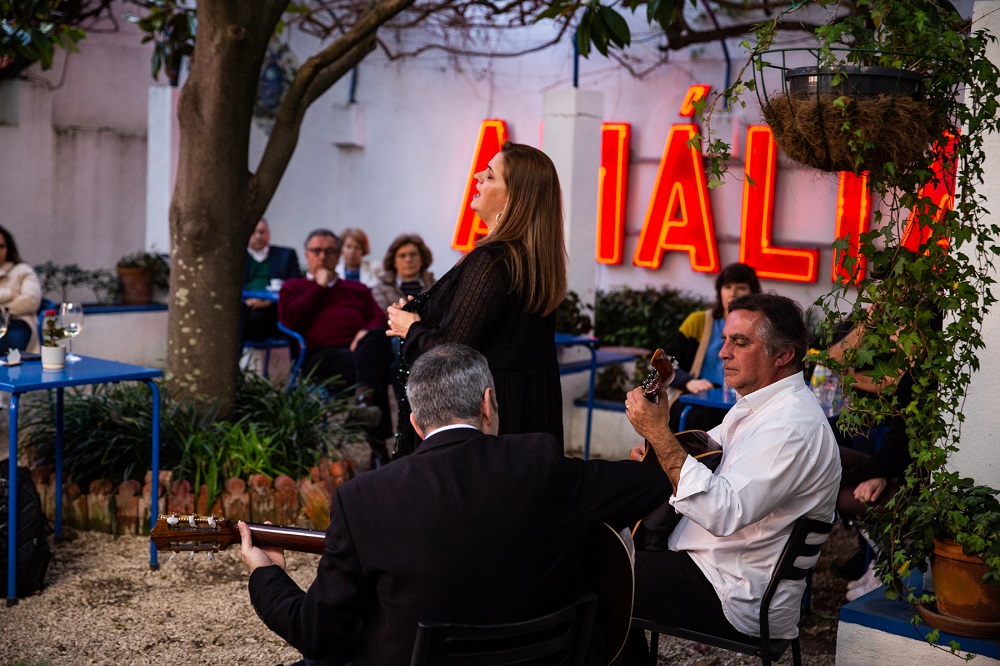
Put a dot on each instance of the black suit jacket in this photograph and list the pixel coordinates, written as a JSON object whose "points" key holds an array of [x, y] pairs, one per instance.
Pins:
{"points": [[282, 262], [470, 528]]}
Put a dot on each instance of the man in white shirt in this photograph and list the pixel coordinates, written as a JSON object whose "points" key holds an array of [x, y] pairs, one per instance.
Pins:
{"points": [[780, 462]]}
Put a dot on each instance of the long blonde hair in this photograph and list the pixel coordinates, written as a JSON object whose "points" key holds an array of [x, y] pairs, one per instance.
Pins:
{"points": [[531, 228]]}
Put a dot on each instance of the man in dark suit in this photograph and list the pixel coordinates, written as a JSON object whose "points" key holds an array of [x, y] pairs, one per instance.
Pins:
{"points": [[471, 528], [264, 264]]}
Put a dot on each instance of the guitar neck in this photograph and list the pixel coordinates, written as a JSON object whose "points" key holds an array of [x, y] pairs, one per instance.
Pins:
{"points": [[287, 538], [194, 533]]}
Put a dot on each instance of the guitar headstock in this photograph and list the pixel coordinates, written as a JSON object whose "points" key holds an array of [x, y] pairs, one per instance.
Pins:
{"points": [[194, 533], [662, 374]]}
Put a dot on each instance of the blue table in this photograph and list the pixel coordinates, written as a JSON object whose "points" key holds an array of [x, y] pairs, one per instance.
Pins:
{"points": [[711, 398], [29, 376], [567, 340], [262, 294]]}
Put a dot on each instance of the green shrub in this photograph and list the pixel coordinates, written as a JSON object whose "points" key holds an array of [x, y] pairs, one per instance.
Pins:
{"points": [[107, 432], [571, 316], [646, 318]]}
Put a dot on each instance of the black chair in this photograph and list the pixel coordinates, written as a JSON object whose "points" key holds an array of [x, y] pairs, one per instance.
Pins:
{"points": [[562, 637], [796, 562]]}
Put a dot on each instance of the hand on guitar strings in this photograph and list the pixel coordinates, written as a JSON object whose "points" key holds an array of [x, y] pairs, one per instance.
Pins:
{"points": [[254, 556]]}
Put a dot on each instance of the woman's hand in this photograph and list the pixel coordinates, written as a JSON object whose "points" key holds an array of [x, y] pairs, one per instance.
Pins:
{"points": [[400, 320], [637, 452], [357, 338], [698, 385], [870, 490]]}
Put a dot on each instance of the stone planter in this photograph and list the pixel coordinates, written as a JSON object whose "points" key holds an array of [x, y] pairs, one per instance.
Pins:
{"points": [[53, 358]]}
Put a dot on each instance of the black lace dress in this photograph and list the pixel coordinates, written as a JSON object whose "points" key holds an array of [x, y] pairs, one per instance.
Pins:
{"points": [[472, 305]]}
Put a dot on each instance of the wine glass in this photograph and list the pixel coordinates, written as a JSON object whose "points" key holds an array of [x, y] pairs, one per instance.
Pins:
{"points": [[71, 321]]}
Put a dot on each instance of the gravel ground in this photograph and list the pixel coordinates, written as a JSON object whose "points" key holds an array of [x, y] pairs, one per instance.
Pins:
{"points": [[104, 606]]}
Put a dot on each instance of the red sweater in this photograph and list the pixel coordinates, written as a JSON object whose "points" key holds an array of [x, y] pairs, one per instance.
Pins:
{"points": [[328, 316]]}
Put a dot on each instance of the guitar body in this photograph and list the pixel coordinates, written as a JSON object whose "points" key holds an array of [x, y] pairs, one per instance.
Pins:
{"points": [[651, 532], [610, 558]]}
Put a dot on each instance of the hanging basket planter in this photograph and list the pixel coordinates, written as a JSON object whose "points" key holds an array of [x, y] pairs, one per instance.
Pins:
{"points": [[849, 117]]}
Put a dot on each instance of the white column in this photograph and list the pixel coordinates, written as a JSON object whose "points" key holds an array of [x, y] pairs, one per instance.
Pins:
{"points": [[163, 144], [572, 138], [977, 455]]}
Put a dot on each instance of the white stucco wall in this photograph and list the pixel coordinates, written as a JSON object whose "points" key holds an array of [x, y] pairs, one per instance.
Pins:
{"points": [[977, 456]]}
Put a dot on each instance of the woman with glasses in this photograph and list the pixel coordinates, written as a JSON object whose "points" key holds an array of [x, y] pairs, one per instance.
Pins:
{"points": [[501, 298], [21, 294]]}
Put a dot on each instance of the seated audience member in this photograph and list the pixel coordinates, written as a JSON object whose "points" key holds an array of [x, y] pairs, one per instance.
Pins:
{"points": [[344, 331], [780, 462], [870, 479], [21, 294], [353, 265], [481, 529], [697, 343], [404, 271], [264, 263]]}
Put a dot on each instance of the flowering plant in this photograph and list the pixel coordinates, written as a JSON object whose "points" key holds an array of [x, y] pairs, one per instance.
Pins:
{"points": [[52, 332]]}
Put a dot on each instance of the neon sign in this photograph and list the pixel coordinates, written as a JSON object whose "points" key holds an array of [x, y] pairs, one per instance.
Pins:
{"points": [[612, 186], [679, 215], [756, 248]]}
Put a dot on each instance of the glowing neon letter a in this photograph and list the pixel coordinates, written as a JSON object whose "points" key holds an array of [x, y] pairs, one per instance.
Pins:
{"points": [[679, 216]]}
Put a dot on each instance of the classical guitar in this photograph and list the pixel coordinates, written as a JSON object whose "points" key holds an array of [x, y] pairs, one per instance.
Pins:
{"points": [[696, 443], [609, 556]]}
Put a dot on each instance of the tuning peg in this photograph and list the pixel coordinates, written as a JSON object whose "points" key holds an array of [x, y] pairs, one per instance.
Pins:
{"points": [[193, 520], [173, 519], [211, 556], [192, 556], [211, 521], [172, 556]]}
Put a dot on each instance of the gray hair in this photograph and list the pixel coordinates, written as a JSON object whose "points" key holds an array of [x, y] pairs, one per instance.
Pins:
{"points": [[446, 386], [322, 233], [782, 326]]}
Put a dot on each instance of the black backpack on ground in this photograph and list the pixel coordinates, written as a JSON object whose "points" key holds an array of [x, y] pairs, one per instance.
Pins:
{"points": [[33, 552]]}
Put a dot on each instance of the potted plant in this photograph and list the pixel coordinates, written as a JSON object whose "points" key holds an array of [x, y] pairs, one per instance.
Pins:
{"points": [[138, 274], [873, 92], [53, 355], [935, 249]]}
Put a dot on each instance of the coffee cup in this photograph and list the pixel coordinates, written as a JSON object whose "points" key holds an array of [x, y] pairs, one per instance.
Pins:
{"points": [[276, 284]]}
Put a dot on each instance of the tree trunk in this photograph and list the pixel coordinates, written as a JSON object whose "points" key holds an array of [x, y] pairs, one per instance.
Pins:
{"points": [[217, 201], [212, 211]]}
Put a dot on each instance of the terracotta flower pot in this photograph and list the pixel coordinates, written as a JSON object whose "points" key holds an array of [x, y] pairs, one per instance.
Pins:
{"points": [[959, 586], [53, 358]]}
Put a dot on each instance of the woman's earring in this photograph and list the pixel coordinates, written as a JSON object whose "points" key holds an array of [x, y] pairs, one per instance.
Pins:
{"points": [[498, 217]]}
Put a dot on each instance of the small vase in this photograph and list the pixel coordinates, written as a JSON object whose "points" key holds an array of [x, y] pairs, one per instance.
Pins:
{"points": [[53, 358]]}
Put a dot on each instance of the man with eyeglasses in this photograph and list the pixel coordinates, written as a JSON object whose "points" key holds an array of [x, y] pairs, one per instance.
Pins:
{"points": [[344, 330]]}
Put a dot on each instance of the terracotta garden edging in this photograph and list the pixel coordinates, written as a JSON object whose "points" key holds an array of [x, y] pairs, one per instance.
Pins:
{"points": [[125, 509]]}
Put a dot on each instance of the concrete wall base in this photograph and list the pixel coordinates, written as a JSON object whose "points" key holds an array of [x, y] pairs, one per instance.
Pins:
{"points": [[875, 630]]}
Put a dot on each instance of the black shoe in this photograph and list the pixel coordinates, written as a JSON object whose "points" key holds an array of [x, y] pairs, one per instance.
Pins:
{"points": [[853, 567]]}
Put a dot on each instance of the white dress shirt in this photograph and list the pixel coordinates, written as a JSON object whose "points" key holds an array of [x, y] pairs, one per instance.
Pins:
{"points": [[780, 461]]}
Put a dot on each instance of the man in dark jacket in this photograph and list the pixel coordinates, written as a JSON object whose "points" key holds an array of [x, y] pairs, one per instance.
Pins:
{"points": [[471, 528], [264, 266]]}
